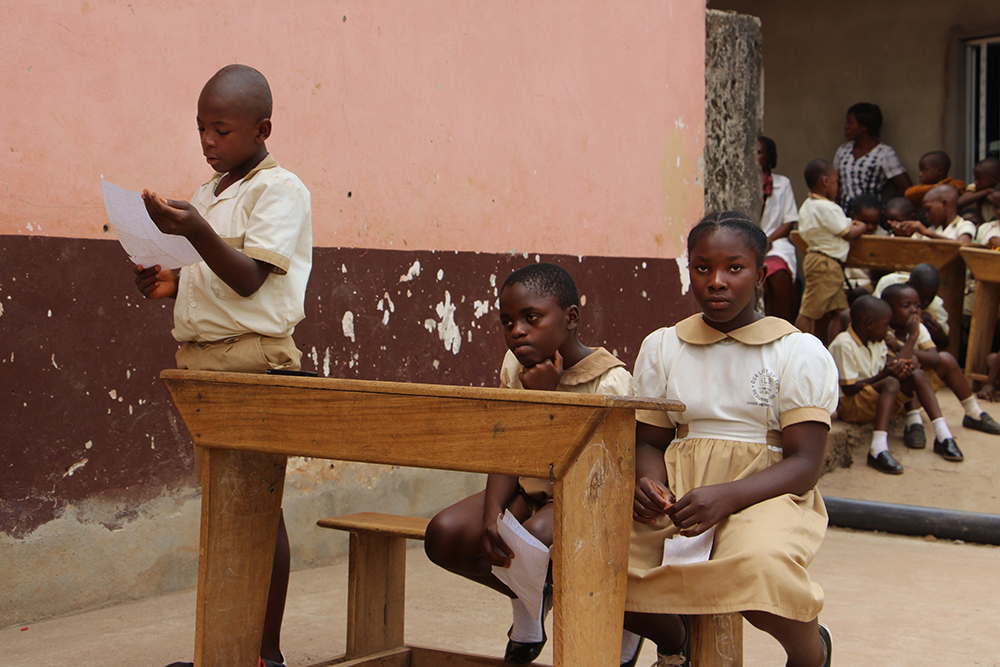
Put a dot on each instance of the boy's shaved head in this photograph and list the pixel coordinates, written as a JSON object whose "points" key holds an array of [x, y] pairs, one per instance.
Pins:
{"points": [[866, 308], [991, 166], [925, 277], [816, 170], [546, 280], [900, 208], [937, 159], [245, 88], [892, 293], [946, 193]]}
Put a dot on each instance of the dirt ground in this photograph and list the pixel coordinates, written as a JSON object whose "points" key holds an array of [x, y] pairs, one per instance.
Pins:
{"points": [[890, 600]]}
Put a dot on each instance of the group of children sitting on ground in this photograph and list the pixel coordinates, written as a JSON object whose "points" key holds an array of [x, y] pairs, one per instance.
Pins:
{"points": [[887, 345]]}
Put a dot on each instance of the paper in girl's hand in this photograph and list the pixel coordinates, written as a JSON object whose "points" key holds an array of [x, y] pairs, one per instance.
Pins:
{"points": [[529, 565], [680, 549]]}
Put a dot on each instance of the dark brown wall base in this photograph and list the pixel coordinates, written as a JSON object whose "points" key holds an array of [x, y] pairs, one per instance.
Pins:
{"points": [[85, 415]]}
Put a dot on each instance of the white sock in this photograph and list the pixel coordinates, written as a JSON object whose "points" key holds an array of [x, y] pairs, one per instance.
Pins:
{"points": [[630, 644], [527, 629], [880, 442], [941, 429], [972, 408], [913, 417]]}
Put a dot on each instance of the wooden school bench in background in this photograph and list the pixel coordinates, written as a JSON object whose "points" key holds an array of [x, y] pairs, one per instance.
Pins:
{"points": [[250, 424], [985, 267], [896, 253]]}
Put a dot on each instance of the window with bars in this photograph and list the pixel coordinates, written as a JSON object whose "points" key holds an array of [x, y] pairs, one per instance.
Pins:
{"points": [[983, 69]]}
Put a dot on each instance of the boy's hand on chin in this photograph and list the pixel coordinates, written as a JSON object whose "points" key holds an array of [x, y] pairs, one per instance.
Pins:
{"points": [[172, 216], [543, 376]]}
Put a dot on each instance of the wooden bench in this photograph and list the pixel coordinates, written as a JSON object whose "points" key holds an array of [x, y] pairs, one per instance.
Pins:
{"points": [[376, 593]]}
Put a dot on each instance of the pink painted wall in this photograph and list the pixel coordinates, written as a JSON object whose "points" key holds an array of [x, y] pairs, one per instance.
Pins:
{"points": [[569, 126]]}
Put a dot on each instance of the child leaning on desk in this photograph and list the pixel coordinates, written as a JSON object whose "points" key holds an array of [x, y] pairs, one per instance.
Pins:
{"points": [[252, 224], [540, 315], [744, 458]]}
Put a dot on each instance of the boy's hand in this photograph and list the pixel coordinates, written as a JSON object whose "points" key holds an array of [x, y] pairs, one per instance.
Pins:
{"points": [[495, 550], [929, 321], [173, 216], [993, 243], [155, 283], [651, 501], [909, 228], [899, 368], [544, 376], [700, 509], [892, 341], [912, 325]]}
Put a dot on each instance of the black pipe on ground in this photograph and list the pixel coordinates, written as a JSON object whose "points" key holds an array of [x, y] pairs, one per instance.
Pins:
{"points": [[913, 520]]}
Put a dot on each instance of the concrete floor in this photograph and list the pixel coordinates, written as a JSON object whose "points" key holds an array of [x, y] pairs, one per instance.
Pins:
{"points": [[890, 601]]}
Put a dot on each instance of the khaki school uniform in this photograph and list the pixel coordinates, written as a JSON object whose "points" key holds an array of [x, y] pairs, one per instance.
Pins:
{"points": [[822, 224], [859, 361], [936, 308], [741, 389], [598, 373]]}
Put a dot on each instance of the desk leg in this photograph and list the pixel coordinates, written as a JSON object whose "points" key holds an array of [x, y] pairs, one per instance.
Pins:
{"points": [[593, 522], [240, 504], [952, 292], [984, 319]]}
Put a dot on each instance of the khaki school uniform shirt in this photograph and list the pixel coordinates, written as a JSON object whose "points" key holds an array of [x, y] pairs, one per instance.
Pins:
{"points": [[267, 216], [823, 224], [856, 360]]}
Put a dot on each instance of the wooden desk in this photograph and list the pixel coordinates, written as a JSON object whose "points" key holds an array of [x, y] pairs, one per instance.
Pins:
{"points": [[896, 253], [985, 267], [250, 424]]}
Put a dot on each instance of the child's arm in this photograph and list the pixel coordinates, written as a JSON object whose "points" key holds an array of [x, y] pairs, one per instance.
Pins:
{"points": [[912, 330], [243, 274], [856, 230], [973, 197], [803, 444], [544, 376], [940, 338], [652, 497], [781, 232], [155, 283], [500, 491], [910, 227]]}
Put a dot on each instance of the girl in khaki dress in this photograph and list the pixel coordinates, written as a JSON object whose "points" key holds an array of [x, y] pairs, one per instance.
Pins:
{"points": [[743, 459]]}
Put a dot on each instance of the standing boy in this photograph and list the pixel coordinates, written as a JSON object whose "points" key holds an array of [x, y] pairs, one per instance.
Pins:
{"points": [[252, 224], [828, 232]]}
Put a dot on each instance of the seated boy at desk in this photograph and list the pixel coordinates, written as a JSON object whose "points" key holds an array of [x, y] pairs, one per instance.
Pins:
{"points": [[874, 387], [252, 224], [986, 175], [828, 232], [940, 206], [867, 208], [934, 168], [941, 367]]}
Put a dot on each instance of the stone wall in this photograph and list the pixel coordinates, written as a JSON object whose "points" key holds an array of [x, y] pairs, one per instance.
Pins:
{"points": [[734, 104]]}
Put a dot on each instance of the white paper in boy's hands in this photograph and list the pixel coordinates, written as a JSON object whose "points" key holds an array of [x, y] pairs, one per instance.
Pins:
{"points": [[145, 244], [529, 566], [680, 549]]}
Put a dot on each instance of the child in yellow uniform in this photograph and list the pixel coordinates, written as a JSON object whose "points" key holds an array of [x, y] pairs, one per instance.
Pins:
{"points": [[252, 224], [744, 458], [540, 313]]}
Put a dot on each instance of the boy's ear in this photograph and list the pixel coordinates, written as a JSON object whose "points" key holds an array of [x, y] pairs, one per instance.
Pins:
{"points": [[572, 317], [263, 130]]}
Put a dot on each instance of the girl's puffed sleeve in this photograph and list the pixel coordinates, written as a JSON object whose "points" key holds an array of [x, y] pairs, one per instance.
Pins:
{"points": [[809, 385], [650, 379], [615, 382]]}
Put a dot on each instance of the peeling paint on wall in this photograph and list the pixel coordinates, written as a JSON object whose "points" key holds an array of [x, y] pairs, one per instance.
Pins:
{"points": [[448, 330], [348, 325]]}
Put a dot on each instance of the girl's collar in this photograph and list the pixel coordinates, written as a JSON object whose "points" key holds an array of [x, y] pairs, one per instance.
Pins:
{"points": [[695, 331]]}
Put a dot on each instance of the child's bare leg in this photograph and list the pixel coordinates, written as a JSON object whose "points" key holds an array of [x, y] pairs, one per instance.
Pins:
{"points": [[835, 326], [667, 631], [801, 640], [540, 524], [919, 385], [988, 391], [804, 324], [888, 390], [879, 456], [454, 540], [270, 643], [778, 295], [953, 376]]}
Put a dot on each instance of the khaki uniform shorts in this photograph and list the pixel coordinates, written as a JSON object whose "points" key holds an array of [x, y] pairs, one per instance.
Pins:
{"points": [[249, 353], [824, 286], [860, 408]]}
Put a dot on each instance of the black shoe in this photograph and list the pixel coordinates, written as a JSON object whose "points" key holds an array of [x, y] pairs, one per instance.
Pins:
{"points": [[913, 436], [521, 653], [885, 463], [948, 449], [985, 423], [824, 634], [635, 657], [683, 657]]}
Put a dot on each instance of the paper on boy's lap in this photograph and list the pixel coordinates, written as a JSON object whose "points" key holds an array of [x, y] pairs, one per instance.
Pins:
{"points": [[145, 244], [680, 549], [529, 566]]}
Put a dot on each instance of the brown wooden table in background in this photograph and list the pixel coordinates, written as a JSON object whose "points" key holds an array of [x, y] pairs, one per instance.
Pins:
{"points": [[249, 425], [896, 253], [985, 267]]}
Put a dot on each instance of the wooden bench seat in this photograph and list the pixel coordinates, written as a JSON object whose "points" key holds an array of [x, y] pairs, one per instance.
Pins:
{"points": [[377, 591]]}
